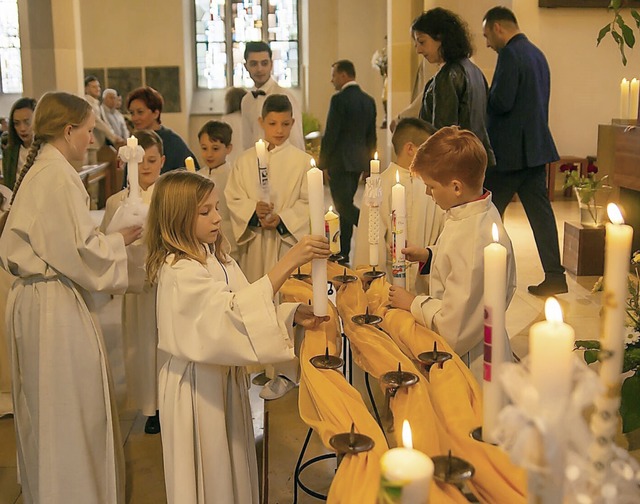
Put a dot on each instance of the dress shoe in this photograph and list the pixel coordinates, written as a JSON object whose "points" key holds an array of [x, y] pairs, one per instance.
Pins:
{"points": [[553, 284], [152, 426]]}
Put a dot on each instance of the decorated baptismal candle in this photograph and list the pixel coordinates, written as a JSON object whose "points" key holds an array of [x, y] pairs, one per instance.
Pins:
{"points": [[318, 266], [373, 194], [190, 165], [406, 473], [263, 172], [332, 230], [132, 168], [495, 298], [399, 231]]}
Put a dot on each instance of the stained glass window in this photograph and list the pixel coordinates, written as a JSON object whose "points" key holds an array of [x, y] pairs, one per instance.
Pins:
{"points": [[10, 64], [224, 26]]}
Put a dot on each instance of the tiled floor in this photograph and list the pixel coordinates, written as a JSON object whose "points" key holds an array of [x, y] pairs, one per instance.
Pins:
{"points": [[144, 453]]}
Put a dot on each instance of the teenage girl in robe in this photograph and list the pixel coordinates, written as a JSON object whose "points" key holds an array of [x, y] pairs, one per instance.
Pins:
{"points": [[213, 323]]}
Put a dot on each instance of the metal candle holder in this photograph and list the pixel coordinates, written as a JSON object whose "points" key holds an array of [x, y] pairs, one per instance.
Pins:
{"points": [[392, 382], [345, 278], [300, 276], [477, 435], [366, 318], [452, 470], [350, 443], [326, 361], [428, 359], [373, 274], [336, 257]]}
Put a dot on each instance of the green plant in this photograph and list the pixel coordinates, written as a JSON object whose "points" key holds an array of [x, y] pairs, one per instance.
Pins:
{"points": [[619, 30], [586, 189]]}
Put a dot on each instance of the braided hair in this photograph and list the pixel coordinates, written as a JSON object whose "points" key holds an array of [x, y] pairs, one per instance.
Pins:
{"points": [[54, 112]]}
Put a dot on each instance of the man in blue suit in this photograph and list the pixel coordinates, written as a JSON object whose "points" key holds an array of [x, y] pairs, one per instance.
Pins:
{"points": [[348, 145], [518, 127]]}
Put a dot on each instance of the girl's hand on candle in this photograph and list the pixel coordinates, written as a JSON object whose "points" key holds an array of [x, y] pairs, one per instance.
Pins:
{"points": [[131, 234], [416, 254], [400, 298], [304, 317], [263, 209], [270, 222], [308, 248]]}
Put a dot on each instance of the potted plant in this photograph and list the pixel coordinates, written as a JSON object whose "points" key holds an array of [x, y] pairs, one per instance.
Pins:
{"points": [[592, 194]]}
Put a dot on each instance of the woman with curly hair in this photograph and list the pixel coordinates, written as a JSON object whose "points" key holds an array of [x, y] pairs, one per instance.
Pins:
{"points": [[457, 93], [17, 140]]}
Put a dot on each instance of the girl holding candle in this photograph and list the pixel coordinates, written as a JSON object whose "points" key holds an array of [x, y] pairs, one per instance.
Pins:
{"points": [[452, 164], [213, 323]]}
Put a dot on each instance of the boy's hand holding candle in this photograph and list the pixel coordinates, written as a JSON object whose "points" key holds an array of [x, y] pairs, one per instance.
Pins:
{"points": [[400, 298]]}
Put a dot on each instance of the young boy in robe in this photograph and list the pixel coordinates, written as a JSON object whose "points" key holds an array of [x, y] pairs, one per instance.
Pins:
{"points": [[215, 146], [266, 230], [424, 218], [140, 336], [452, 165]]}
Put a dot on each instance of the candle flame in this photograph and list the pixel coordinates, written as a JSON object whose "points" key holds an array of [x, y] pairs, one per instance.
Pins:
{"points": [[407, 440], [624, 80], [375, 156], [313, 163], [615, 216], [331, 208], [494, 232], [397, 177], [552, 310]]}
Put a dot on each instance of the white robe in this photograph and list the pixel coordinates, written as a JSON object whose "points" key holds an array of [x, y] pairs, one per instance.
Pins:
{"points": [[220, 176], [67, 431], [425, 220], [454, 307], [6, 280], [142, 359], [259, 249], [213, 323]]}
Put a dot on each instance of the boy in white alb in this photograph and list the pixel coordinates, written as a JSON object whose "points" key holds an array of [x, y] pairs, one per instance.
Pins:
{"points": [[452, 165], [142, 358], [424, 218], [215, 146], [266, 230]]}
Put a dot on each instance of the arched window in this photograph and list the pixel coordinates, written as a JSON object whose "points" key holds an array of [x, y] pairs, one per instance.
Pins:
{"points": [[223, 27], [10, 64]]}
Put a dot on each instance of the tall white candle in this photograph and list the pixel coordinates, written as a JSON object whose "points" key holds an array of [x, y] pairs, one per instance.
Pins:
{"points": [[551, 352], [633, 99], [495, 299], [624, 99], [332, 230], [399, 230], [374, 164], [318, 266], [263, 171], [190, 165], [132, 168], [407, 469], [261, 152]]}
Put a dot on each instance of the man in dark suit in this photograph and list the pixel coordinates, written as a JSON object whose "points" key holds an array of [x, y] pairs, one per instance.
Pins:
{"points": [[348, 145], [518, 127]]}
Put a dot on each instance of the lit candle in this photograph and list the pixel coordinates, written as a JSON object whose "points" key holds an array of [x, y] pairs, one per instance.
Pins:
{"points": [[132, 168], [551, 352], [624, 99], [633, 99], [374, 164], [406, 473], [190, 165], [495, 299], [332, 230], [318, 266], [263, 171], [399, 232], [261, 151]]}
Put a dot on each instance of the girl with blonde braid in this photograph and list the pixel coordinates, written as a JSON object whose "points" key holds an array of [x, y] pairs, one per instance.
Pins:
{"points": [[68, 441]]}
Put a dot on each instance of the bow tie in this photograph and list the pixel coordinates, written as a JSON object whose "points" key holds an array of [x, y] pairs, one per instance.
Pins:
{"points": [[257, 93]]}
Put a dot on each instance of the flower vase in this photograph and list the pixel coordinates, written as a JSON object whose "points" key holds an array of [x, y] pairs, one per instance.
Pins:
{"points": [[593, 205]]}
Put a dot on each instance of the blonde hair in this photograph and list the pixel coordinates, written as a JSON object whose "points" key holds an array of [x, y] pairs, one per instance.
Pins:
{"points": [[171, 224], [54, 112], [452, 153]]}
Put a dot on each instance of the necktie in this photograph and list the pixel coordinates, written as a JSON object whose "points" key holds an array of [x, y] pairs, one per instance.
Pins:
{"points": [[257, 93]]}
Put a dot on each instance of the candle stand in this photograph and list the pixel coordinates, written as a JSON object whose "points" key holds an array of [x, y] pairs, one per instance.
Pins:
{"points": [[435, 357], [391, 382], [350, 443], [345, 278], [452, 470], [300, 276], [477, 435], [373, 274], [336, 257], [327, 361], [366, 318]]}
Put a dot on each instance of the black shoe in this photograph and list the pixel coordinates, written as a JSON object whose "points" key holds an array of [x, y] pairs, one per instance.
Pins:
{"points": [[153, 424], [553, 284]]}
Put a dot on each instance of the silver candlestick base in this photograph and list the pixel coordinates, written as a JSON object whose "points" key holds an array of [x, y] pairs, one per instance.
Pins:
{"points": [[326, 361], [350, 443], [391, 382]]}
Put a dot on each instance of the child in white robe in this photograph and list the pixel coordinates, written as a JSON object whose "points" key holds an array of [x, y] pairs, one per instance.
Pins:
{"points": [[215, 146], [424, 218], [266, 230], [67, 430], [142, 359], [213, 323], [452, 165]]}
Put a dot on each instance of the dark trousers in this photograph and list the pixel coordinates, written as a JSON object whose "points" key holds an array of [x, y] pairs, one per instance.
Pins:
{"points": [[343, 186], [530, 184]]}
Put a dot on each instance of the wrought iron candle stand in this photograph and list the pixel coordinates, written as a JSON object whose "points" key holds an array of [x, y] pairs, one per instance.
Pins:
{"points": [[452, 470], [366, 318], [392, 382], [345, 278], [350, 443], [435, 357], [327, 361]]}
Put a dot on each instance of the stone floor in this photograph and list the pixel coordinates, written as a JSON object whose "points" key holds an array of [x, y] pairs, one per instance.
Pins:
{"points": [[144, 453]]}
